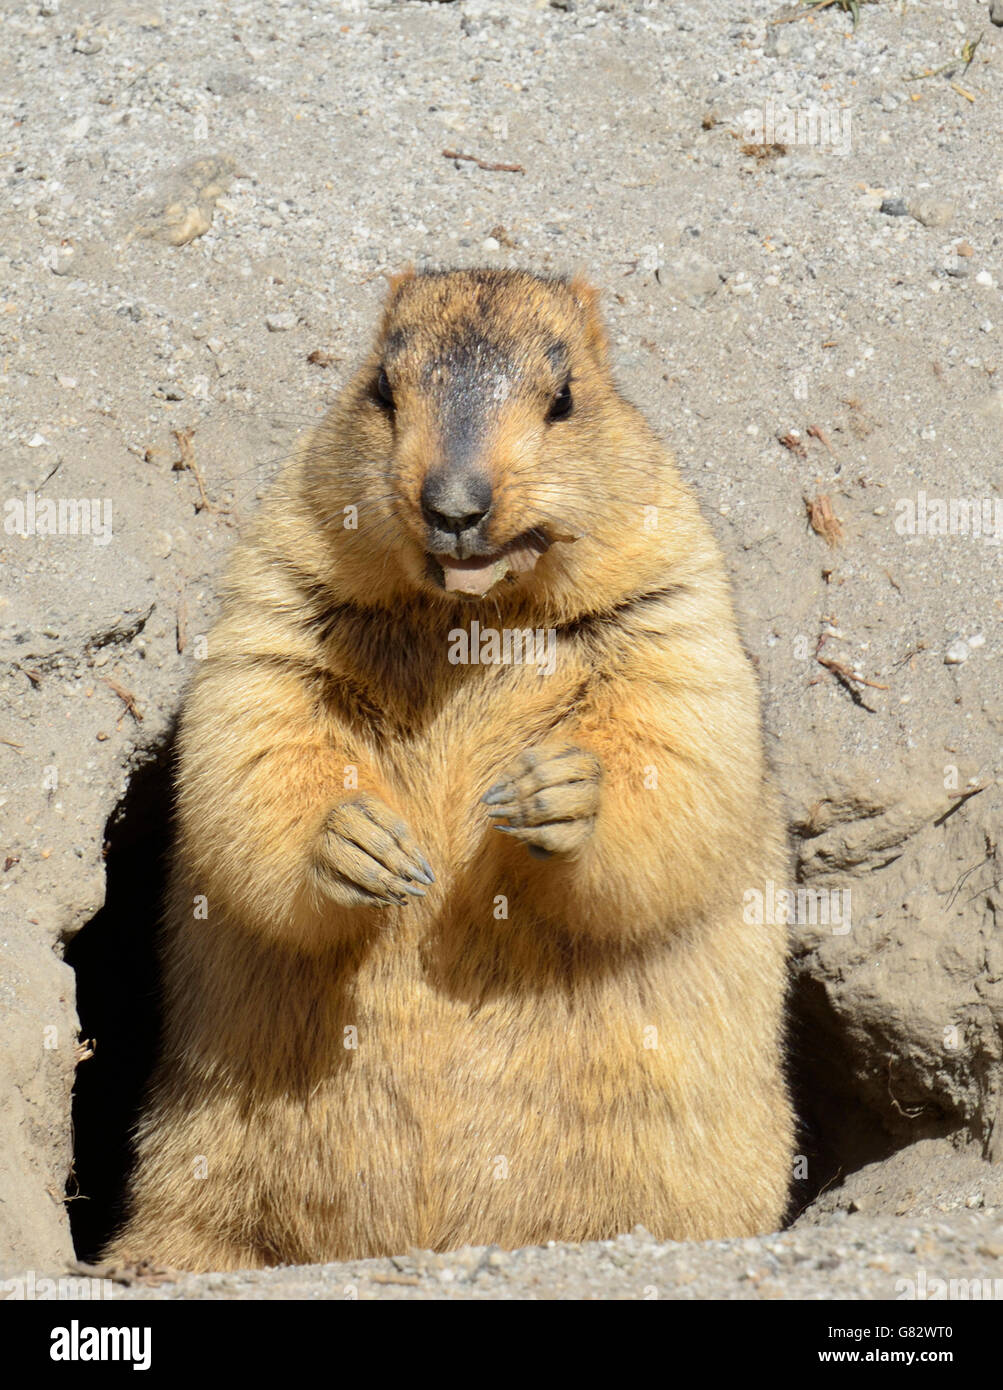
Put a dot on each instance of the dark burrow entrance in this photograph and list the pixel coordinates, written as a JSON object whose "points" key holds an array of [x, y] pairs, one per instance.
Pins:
{"points": [[114, 957], [837, 1131]]}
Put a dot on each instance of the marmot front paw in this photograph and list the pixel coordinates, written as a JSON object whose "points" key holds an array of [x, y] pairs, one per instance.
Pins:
{"points": [[367, 856], [550, 798]]}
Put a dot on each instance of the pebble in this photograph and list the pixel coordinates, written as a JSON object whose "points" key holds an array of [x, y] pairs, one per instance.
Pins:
{"points": [[281, 323], [894, 207], [931, 212], [957, 652]]}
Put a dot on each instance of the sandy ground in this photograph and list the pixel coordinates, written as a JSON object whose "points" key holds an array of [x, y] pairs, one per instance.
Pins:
{"points": [[199, 204]]}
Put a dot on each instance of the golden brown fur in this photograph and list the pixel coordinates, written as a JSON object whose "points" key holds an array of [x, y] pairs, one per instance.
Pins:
{"points": [[609, 1052]]}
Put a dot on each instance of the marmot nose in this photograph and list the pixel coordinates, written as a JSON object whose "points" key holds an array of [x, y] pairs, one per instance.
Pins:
{"points": [[456, 502]]}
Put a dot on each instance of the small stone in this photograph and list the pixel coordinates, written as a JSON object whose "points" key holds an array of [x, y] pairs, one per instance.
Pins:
{"points": [[957, 652], [894, 207], [36, 441], [984, 278], [182, 224], [996, 12], [976, 640], [491, 243], [931, 212], [281, 323]]}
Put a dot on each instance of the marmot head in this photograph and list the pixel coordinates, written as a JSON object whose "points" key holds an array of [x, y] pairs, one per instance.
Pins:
{"points": [[484, 441]]}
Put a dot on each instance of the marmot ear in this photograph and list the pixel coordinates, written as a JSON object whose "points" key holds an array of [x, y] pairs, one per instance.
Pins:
{"points": [[397, 281], [587, 297]]}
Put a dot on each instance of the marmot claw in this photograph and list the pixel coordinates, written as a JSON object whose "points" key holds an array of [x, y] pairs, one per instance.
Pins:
{"points": [[367, 856], [550, 798]]}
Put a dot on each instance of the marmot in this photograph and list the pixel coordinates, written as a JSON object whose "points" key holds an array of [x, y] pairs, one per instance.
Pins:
{"points": [[455, 950]]}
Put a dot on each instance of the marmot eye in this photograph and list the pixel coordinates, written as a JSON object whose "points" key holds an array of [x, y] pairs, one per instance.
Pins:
{"points": [[560, 406], [383, 391]]}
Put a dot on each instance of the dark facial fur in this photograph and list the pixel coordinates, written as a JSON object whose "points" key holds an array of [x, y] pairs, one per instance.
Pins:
{"points": [[484, 437]]}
